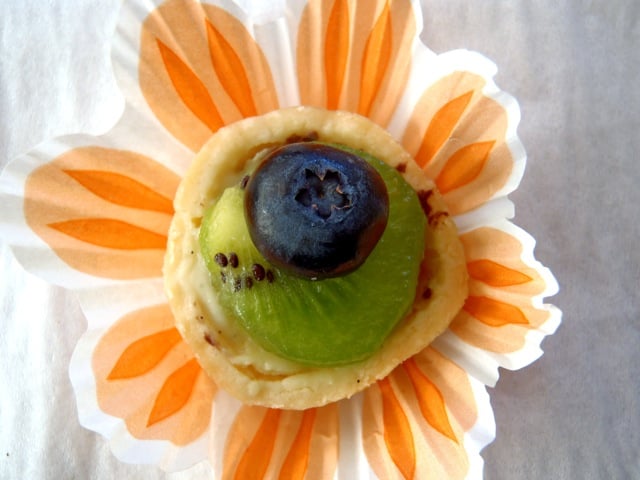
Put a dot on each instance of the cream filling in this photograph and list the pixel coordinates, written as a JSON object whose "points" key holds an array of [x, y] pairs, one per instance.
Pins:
{"points": [[233, 340]]}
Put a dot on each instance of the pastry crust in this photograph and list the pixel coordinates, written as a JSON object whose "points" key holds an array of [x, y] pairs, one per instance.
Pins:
{"points": [[225, 351]]}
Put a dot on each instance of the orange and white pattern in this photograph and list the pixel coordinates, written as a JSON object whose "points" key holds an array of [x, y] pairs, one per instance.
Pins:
{"points": [[423, 409], [92, 213]]}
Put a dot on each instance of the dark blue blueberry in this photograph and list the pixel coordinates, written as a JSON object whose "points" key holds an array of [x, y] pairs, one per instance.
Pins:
{"points": [[315, 210]]}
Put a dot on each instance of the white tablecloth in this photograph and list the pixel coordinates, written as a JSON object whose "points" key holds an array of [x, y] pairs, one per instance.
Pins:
{"points": [[573, 66]]}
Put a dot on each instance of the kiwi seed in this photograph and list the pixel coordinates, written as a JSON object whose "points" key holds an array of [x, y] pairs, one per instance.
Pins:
{"points": [[221, 259], [258, 272]]}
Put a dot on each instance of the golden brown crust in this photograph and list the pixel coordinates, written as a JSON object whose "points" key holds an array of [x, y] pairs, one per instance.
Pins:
{"points": [[234, 361]]}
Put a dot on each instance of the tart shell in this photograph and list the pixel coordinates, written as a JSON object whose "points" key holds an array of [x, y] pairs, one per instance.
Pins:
{"points": [[225, 351]]}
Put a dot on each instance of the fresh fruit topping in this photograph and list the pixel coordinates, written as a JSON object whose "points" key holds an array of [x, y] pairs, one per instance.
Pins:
{"points": [[316, 210], [333, 321]]}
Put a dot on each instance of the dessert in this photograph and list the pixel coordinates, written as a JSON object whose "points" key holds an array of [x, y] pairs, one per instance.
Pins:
{"points": [[274, 317]]}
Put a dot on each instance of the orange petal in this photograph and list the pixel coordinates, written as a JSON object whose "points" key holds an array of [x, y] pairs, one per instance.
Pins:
{"points": [[430, 400], [336, 51], [175, 392], [494, 313], [495, 264], [441, 126], [79, 205], [421, 444], [453, 384], [122, 190], [297, 461], [201, 69], [463, 166], [190, 89], [256, 458], [458, 135], [397, 431], [375, 61], [110, 233], [283, 444], [494, 274], [168, 396], [425, 429], [365, 49], [144, 354], [230, 71], [501, 284]]}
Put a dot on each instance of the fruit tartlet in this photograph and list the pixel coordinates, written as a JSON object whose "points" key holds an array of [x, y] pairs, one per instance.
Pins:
{"points": [[308, 256]]}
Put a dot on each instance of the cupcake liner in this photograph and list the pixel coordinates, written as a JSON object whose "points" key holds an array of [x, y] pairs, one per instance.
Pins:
{"points": [[91, 214]]}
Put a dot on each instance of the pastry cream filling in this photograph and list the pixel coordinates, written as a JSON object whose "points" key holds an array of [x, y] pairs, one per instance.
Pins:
{"points": [[233, 340]]}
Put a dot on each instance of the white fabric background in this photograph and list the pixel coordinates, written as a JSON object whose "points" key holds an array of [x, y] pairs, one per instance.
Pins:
{"points": [[573, 66]]}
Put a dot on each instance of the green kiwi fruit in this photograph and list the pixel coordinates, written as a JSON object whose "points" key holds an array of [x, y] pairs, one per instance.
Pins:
{"points": [[326, 322]]}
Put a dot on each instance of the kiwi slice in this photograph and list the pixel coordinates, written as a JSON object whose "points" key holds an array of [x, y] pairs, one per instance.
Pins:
{"points": [[326, 322]]}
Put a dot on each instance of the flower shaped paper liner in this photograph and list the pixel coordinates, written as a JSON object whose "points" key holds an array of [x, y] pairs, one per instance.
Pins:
{"points": [[92, 214]]}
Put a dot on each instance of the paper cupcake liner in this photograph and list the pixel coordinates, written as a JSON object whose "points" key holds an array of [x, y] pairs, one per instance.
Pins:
{"points": [[91, 214]]}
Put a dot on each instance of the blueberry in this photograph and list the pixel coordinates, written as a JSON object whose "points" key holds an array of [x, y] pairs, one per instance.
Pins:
{"points": [[316, 210]]}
